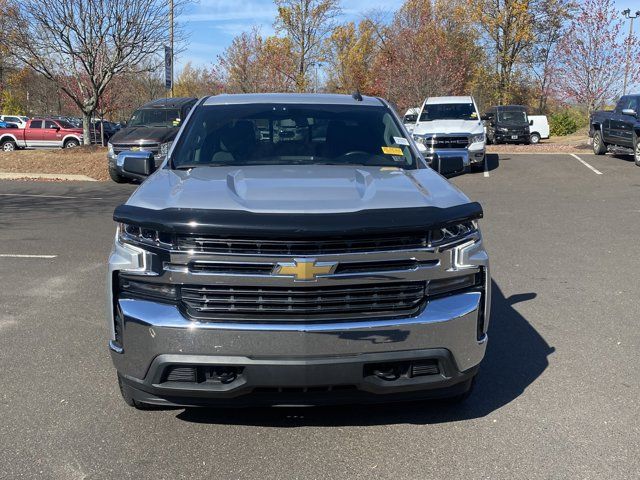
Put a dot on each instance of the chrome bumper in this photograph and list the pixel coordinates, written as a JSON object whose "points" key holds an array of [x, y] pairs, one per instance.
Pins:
{"points": [[469, 157], [151, 329]]}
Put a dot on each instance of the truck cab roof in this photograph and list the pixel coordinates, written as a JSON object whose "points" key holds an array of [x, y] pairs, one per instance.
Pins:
{"points": [[293, 98], [450, 99]]}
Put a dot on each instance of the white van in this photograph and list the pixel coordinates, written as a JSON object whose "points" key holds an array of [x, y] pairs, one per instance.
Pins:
{"points": [[539, 127]]}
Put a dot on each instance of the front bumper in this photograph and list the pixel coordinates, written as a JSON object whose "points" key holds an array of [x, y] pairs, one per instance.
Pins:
{"points": [[509, 137], [330, 356]]}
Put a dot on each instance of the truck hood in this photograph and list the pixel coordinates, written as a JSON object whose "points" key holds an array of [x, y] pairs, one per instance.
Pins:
{"points": [[446, 127], [295, 189], [144, 135]]}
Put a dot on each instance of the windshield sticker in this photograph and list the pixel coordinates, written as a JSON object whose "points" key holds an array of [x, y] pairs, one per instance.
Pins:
{"points": [[392, 151], [401, 141]]}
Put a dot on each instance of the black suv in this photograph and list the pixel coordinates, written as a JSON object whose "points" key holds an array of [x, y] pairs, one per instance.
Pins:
{"points": [[151, 128], [507, 123]]}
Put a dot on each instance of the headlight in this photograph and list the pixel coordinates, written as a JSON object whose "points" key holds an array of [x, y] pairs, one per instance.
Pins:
{"points": [[479, 138], [454, 233], [143, 236], [110, 150]]}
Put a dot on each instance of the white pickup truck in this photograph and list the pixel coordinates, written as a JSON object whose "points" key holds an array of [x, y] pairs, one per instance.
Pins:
{"points": [[451, 127]]}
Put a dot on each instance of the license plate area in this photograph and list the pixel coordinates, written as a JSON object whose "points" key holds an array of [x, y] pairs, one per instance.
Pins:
{"points": [[514, 137]]}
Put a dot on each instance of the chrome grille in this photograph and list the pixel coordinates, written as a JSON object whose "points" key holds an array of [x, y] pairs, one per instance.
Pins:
{"points": [[447, 142], [248, 303], [300, 247], [147, 147]]}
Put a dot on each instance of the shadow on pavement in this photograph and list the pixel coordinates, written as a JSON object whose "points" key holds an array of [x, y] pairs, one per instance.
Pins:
{"points": [[516, 356]]}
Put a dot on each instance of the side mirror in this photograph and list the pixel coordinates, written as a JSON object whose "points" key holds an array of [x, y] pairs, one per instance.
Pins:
{"points": [[531, 122], [141, 164], [629, 111]]}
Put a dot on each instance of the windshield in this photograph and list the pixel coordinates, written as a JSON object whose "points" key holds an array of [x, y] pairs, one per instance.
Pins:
{"points": [[158, 117], [513, 116], [448, 111], [284, 134]]}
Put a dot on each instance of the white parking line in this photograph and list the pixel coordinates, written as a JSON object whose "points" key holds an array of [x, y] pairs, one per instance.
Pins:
{"points": [[48, 196], [595, 170], [17, 255], [486, 168]]}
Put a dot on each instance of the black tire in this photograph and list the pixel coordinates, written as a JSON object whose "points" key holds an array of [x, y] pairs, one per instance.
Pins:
{"points": [[72, 143], [116, 177], [8, 146], [636, 149], [129, 400], [534, 138], [599, 147]]}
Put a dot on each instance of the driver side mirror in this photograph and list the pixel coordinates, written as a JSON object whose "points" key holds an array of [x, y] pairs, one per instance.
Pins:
{"points": [[531, 122], [629, 111]]}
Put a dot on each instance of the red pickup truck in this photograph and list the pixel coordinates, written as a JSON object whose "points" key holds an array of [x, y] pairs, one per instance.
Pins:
{"points": [[41, 132]]}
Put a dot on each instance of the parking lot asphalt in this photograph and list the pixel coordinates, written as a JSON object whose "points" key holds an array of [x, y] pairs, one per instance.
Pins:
{"points": [[557, 397]]}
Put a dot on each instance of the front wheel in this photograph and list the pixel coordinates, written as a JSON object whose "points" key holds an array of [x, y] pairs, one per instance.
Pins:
{"points": [[636, 150], [534, 138], [116, 177], [599, 147], [71, 144], [8, 146]]}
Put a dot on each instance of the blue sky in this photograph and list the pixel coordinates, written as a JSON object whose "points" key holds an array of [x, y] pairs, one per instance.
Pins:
{"points": [[212, 24]]}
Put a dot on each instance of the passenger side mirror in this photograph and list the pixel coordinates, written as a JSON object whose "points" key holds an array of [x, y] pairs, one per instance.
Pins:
{"points": [[629, 111], [137, 163], [531, 122]]}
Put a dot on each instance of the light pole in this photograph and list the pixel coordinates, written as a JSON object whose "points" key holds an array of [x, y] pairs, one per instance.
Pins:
{"points": [[171, 40], [627, 14]]}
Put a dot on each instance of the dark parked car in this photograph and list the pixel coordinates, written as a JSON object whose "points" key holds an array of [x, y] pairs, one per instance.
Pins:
{"points": [[151, 128], [507, 123], [617, 130]]}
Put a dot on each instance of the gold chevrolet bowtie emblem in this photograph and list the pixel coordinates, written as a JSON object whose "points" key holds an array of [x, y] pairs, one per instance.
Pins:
{"points": [[304, 269]]}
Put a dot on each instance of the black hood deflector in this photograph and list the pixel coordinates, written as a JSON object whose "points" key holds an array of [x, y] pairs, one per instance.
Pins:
{"points": [[243, 224]]}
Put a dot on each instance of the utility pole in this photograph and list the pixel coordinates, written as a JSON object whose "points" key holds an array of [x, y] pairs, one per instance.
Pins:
{"points": [[627, 14], [171, 40]]}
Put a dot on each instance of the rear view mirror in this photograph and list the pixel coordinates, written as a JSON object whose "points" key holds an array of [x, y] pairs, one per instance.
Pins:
{"points": [[137, 163], [629, 111]]}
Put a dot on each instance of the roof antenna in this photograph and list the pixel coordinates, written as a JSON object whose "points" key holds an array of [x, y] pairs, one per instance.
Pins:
{"points": [[356, 95]]}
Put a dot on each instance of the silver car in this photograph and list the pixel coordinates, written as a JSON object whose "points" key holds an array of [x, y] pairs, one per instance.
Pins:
{"points": [[333, 267]]}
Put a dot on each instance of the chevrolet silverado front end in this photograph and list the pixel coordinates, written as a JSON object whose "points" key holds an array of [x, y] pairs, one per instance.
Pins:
{"points": [[335, 267]]}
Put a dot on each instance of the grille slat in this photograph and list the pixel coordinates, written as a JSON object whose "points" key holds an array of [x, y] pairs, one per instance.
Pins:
{"points": [[304, 302], [447, 142], [285, 247]]}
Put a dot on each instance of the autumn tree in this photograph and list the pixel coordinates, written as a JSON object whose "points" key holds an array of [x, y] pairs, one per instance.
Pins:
{"points": [[592, 64], [351, 54], [196, 82], [551, 20], [306, 24], [509, 29], [425, 53], [88, 41]]}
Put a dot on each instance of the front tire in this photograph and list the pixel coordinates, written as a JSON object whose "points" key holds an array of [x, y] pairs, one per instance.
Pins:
{"points": [[636, 150], [71, 144], [116, 177], [8, 146], [599, 147], [534, 138]]}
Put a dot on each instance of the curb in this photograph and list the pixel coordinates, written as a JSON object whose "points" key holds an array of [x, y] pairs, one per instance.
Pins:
{"points": [[45, 176]]}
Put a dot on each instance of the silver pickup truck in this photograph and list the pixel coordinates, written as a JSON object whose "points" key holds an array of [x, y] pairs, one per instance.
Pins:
{"points": [[295, 249]]}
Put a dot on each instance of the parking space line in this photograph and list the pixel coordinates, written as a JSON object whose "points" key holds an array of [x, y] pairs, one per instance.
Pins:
{"points": [[595, 170], [19, 255], [486, 168], [48, 196]]}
